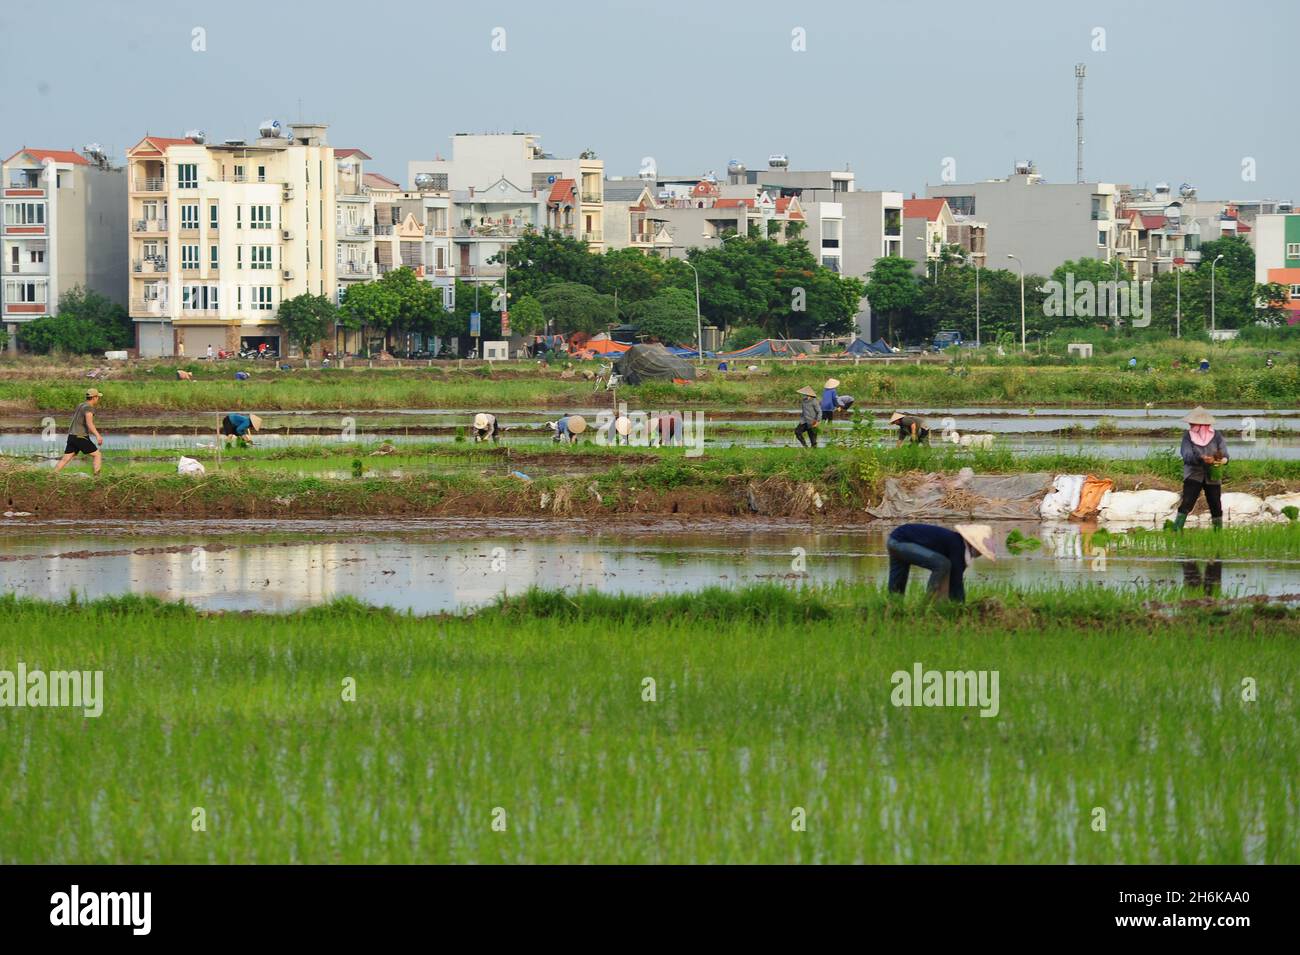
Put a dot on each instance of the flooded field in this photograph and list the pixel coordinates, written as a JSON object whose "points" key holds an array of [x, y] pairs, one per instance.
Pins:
{"points": [[432, 566]]}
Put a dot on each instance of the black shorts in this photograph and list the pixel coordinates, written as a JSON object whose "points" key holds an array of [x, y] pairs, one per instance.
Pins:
{"points": [[80, 445]]}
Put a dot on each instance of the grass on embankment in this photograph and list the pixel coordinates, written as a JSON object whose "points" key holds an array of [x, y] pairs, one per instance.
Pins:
{"points": [[765, 701], [970, 383], [590, 481]]}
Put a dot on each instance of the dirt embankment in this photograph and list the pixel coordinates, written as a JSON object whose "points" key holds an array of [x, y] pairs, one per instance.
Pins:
{"points": [[43, 496]]}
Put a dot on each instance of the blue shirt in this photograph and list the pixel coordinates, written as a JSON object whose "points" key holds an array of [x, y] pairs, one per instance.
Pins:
{"points": [[241, 423], [942, 541], [562, 426], [830, 399]]}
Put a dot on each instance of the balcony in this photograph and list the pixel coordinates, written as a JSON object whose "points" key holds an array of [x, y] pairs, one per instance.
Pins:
{"points": [[153, 265], [152, 306], [151, 184], [355, 269], [25, 190], [149, 225], [354, 230], [383, 230], [490, 231], [594, 236], [592, 197], [26, 309], [440, 233]]}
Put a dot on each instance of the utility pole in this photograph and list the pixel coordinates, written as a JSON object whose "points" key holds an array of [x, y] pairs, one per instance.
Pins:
{"points": [[1079, 71]]}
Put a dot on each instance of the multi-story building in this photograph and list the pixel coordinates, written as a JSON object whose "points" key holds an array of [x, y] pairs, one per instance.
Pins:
{"points": [[64, 225], [501, 185], [222, 233], [354, 225], [925, 230], [1041, 223], [1277, 256]]}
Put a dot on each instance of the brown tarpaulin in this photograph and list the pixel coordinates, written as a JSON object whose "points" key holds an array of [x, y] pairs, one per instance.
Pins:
{"points": [[1090, 496], [948, 497]]}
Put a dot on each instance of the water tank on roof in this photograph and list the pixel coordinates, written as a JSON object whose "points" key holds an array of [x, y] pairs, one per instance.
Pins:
{"points": [[1186, 189], [95, 152], [1162, 187], [197, 135], [778, 161], [269, 129], [736, 168], [423, 181]]}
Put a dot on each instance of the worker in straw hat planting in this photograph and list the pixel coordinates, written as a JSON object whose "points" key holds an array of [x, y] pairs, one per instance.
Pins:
{"points": [[486, 428], [1204, 453], [240, 427], [830, 399], [944, 553], [910, 428], [810, 416], [567, 428]]}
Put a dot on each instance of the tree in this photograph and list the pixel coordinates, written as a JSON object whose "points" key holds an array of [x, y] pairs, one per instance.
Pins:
{"points": [[539, 259], [527, 317], [742, 336], [1272, 299], [571, 307], [369, 305], [669, 317], [86, 322], [892, 289], [307, 319]]}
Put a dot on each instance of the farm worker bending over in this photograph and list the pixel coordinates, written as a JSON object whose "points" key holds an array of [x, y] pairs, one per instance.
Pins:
{"points": [[944, 553], [486, 428], [568, 427], [830, 398], [238, 426], [910, 428], [1204, 453], [79, 432], [810, 415]]}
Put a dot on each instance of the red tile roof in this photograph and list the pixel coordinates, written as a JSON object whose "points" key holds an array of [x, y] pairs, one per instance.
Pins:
{"points": [[929, 209], [562, 190], [734, 203], [345, 153], [1153, 222], [55, 155], [705, 188], [376, 180]]}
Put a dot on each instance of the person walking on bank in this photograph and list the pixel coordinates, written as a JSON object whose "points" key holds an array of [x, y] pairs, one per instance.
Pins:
{"points": [[944, 553], [80, 431], [810, 415], [1204, 454], [830, 399], [910, 428]]}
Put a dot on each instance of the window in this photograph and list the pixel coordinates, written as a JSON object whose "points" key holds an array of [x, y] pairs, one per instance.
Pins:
{"points": [[212, 259], [260, 257], [38, 256], [262, 298], [1295, 292], [196, 298], [212, 216], [26, 293], [1101, 237], [259, 217], [261, 174], [24, 213], [189, 215], [239, 174], [239, 256], [1293, 250], [239, 222], [187, 175], [189, 256], [961, 205], [342, 291]]}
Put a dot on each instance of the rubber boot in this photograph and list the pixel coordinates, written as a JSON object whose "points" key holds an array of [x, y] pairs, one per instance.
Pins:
{"points": [[1217, 522], [1179, 521]]}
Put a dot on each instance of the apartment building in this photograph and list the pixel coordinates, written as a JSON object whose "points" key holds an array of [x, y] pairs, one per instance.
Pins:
{"points": [[64, 225], [1042, 223], [925, 230], [222, 233], [354, 222], [501, 185], [1277, 256]]}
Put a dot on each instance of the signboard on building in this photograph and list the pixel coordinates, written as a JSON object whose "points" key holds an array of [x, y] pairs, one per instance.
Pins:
{"points": [[475, 324]]}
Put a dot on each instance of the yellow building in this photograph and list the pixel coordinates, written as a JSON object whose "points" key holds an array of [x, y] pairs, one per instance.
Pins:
{"points": [[222, 233]]}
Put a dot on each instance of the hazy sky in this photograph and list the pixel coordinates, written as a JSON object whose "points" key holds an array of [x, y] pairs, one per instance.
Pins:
{"points": [[1183, 92]]}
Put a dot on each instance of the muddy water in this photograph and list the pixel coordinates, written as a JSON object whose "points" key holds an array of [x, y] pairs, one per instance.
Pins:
{"points": [[430, 566]]}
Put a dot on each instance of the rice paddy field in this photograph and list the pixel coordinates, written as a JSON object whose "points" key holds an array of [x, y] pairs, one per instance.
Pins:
{"points": [[1128, 729]]}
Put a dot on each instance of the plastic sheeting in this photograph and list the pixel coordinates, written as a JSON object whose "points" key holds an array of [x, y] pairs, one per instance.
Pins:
{"points": [[1149, 508], [964, 496], [189, 467], [1062, 499], [653, 362], [1275, 502]]}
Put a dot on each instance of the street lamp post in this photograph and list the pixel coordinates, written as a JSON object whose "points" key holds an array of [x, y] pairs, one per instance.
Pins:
{"points": [[1178, 305], [699, 327], [1212, 265], [1022, 299], [977, 304]]}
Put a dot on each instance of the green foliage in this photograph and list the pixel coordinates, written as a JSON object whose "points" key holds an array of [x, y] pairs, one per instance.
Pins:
{"points": [[527, 317], [86, 322], [742, 336], [571, 307], [668, 317], [307, 319]]}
